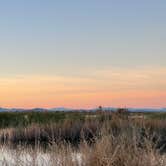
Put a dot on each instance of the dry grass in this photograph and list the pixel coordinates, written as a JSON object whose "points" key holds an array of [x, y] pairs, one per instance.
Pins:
{"points": [[106, 151], [69, 131], [120, 141]]}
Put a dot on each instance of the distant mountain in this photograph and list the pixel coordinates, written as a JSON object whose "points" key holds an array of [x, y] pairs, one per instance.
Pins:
{"points": [[20, 109], [38, 110], [136, 109], [70, 109], [4, 109], [60, 109], [147, 109]]}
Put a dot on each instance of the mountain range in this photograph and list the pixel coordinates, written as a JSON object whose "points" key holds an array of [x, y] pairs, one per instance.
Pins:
{"points": [[70, 109]]}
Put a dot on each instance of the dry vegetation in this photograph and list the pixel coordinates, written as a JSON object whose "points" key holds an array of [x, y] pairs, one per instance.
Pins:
{"points": [[109, 139]]}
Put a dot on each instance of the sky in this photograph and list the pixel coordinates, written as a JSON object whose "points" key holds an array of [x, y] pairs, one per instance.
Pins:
{"points": [[82, 53]]}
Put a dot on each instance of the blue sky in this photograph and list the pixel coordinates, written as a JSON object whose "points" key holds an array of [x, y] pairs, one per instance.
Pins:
{"points": [[82, 38], [90, 33]]}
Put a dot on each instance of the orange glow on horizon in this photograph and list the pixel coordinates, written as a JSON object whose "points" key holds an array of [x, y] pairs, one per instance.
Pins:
{"points": [[117, 88]]}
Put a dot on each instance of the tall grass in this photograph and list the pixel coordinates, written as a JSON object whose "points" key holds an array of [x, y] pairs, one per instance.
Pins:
{"points": [[104, 140], [23, 119]]}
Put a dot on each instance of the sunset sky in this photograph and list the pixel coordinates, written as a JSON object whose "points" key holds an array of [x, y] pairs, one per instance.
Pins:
{"points": [[82, 53]]}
